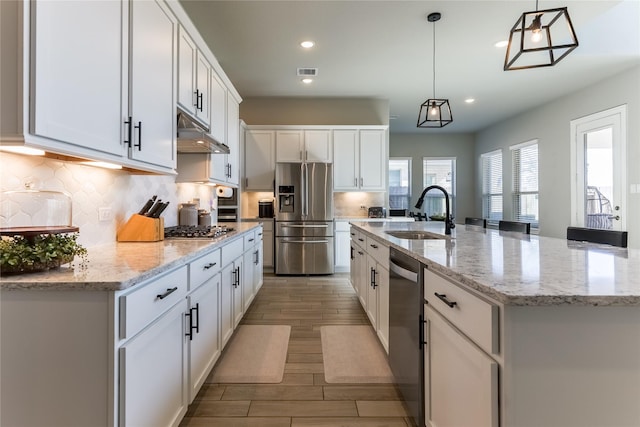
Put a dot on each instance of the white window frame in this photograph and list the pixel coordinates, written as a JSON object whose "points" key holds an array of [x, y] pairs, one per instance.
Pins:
{"points": [[516, 193], [487, 195]]}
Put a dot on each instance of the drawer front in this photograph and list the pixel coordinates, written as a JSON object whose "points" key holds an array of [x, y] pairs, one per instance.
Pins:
{"points": [[250, 239], [358, 238], [475, 317], [378, 251], [204, 268], [148, 302], [231, 251]]}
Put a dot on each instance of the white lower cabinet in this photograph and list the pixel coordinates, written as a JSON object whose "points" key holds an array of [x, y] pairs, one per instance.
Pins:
{"points": [[457, 375], [153, 373], [370, 280], [203, 332], [342, 249], [267, 244], [230, 299], [248, 288], [461, 380]]}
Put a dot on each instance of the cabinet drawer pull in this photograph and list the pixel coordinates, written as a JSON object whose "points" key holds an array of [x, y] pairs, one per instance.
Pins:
{"points": [[362, 240], [208, 266], [166, 294], [443, 298], [251, 240], [374, 246]]}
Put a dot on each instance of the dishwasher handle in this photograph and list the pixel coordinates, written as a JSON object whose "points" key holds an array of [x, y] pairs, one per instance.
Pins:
{"points": [[403, 272]]}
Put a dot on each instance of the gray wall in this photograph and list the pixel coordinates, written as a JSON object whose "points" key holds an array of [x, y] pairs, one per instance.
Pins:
{"points": [[460, 146], [550, 125], [314, 111]]}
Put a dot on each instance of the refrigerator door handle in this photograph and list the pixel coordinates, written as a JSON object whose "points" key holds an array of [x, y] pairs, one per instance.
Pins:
{"points": [[306, 190], [305, 241], [303, 191]]}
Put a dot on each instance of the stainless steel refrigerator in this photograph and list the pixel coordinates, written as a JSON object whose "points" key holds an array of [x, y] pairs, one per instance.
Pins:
{"points": [[304, 218]]}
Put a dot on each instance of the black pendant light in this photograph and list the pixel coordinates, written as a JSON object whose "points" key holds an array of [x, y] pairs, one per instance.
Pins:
{"points": [[540, 39], [434, 112]]}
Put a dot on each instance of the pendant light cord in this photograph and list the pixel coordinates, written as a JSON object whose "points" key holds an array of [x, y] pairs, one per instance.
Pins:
{"points": [[434, 60]]}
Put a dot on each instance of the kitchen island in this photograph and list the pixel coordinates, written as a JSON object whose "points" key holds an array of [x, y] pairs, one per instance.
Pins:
{"points": [[522, 330], [127, 339]]}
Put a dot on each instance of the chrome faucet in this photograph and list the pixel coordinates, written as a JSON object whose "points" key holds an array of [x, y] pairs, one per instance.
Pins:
{"points": [[448, 220]]}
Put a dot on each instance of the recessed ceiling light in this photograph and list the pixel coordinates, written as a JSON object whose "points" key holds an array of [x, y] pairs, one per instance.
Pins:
{"points": [[501, 43], [470, 100], [307, 44], [307, 81]]}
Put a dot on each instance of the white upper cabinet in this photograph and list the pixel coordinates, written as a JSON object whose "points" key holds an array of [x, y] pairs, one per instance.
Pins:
{"points": [[152, 86], [78, 91], [194, 95], [233, 141], [298, 146], [259, 160], [360, 160], [101, 80], [317, 146], [218, 124]]}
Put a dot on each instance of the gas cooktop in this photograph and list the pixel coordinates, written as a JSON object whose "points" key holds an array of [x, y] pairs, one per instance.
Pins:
{"points": [[196, 232]]}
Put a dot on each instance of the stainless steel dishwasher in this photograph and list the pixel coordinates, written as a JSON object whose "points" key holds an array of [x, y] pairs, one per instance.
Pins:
{"points": [[406, 312]]}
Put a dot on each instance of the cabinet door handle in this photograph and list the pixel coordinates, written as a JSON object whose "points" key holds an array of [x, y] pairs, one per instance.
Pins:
{"points": [[197, 309], [373, 278], [421, 325], [352, 253], [234, 284], [443, 298], [257, 254], [129, 132], [139, 144], [237, 276], [189, 332], [208, 266], [167, 293], [355, 181]]}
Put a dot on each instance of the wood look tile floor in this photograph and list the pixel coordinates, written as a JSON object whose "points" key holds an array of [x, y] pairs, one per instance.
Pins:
{"points": [[303, 399]]}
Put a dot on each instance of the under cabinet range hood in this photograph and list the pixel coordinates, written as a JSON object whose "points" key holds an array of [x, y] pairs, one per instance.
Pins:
{"points": [[192, 138]]}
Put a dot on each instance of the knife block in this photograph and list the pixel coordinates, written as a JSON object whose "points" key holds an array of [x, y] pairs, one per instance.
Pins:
{"points": [[140, 228]]}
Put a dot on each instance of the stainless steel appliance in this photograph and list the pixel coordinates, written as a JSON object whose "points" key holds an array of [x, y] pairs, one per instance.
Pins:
{"points": [[377, 212], [406, 314], [304, 218]]}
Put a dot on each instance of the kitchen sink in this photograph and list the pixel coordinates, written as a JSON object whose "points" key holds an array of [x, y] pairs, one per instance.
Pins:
{"points": [[414, 234]]}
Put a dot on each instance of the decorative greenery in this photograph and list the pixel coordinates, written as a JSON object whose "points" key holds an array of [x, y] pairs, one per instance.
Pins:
{"points": [[20, 254]]}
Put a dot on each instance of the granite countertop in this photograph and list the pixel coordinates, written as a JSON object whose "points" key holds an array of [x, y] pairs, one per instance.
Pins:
{"points": [[120, 265], [528, 270]]}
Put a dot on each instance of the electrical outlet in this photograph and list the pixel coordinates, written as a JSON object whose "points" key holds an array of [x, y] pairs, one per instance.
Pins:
{"points": [[363, 207], [104, 214]]}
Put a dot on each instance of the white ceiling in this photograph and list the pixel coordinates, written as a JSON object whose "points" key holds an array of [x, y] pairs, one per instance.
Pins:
{"points": [[383, 49]]}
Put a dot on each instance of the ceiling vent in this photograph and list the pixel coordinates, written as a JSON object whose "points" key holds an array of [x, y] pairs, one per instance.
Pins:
{"points": [[307, 72]]}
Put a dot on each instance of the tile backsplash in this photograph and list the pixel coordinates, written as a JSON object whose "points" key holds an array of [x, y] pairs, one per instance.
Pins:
{"points": [[93, 188], [355, 204]]}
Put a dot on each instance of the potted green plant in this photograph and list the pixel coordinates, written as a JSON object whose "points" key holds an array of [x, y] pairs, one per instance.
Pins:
{"points": [[20, 254]]}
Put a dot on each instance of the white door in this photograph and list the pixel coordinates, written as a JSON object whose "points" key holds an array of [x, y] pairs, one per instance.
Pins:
{"points": [[259, 160], [599, 170], [318, 146], [227, 285], [187, 52], [289, 145], [153, 105], [77, 82], [373, 160], [233, 140], [346, 160], [203, 327]]}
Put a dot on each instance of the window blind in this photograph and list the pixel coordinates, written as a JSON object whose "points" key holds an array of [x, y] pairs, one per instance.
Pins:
{"points": [[492, 186], [525, 182]]}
